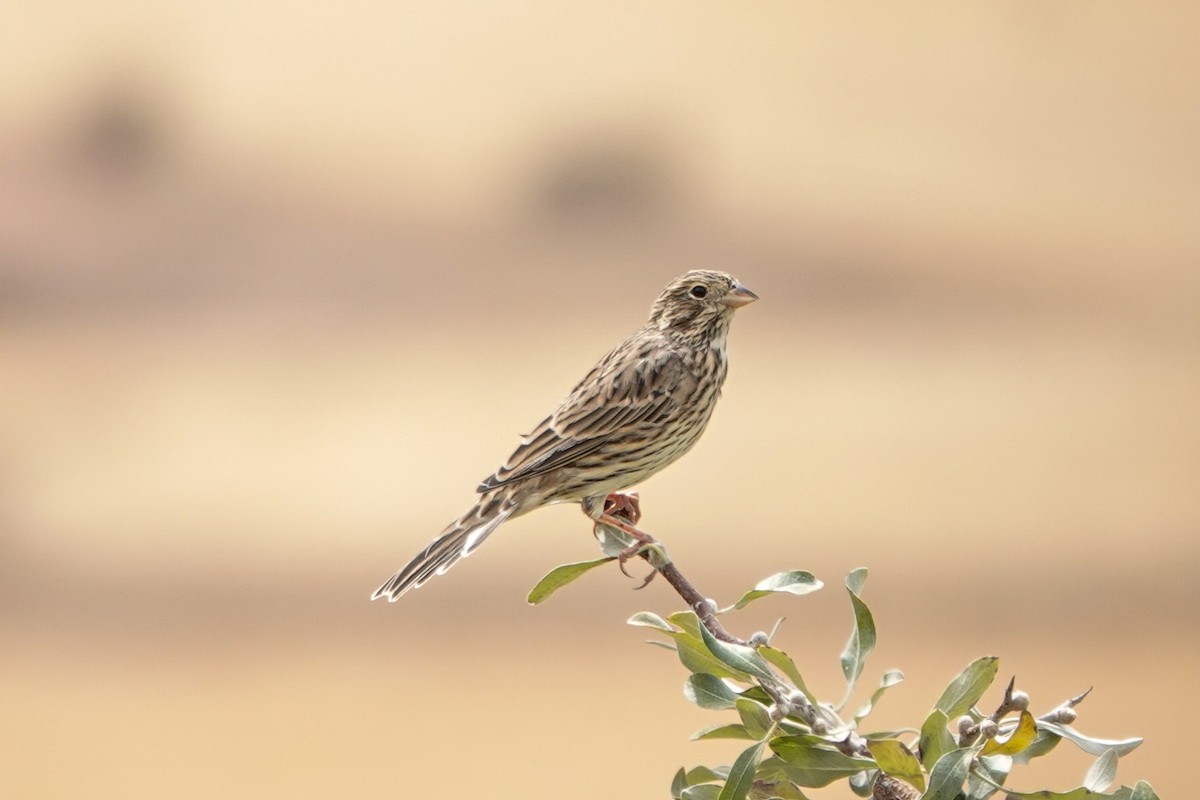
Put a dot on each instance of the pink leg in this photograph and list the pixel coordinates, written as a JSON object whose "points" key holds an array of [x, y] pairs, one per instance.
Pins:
{"points": [[624, 504], [622, 510]]}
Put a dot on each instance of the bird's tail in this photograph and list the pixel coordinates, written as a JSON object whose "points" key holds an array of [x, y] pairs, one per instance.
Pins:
{"points": [[459, 540]]}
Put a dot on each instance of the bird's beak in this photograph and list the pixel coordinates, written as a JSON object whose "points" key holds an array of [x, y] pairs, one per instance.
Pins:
{"points": [[739, 296]]}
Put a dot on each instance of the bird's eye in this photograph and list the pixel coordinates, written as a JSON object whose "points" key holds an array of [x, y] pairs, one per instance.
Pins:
{"points": [[699, 291]]}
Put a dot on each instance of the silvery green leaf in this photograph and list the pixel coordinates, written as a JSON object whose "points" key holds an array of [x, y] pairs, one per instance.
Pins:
{"points": [[736, 656], [679, 783], [795, 741], [685, 620], [1081, 793], [614, 541], [777, 790], [935, 740], [863, 783], [647, 619], [741, 774], [1045, 742], [862, 637], [889, 734], [1089, 745], [795, 582], [1143, 791], [754, 716], [729, 731], [694, 655], [784, 663], [966, 689], [889, 679], [1102, 773], [706, 775], [987, 776], [708, 691], [948, 774], [894, 758], [705, 791], [560, 577], [814, 765]]}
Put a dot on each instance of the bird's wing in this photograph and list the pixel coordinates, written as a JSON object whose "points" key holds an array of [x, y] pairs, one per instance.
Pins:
{"points": [[627, 388]]}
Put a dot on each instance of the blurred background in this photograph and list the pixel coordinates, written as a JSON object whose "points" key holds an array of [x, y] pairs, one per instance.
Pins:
{"points": [[280, 283]]}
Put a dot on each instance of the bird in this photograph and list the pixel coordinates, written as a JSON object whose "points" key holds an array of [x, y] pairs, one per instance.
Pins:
{"points": [[642, 406]]}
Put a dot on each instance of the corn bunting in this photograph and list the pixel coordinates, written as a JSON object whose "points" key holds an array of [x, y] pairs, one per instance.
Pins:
{"points": [[641, 407]]}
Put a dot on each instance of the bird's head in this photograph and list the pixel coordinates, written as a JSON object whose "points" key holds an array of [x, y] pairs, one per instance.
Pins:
{"points": [[699, 303]]}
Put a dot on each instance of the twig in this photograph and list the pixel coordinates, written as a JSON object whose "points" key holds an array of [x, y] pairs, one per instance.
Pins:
{"points": [[779, 690], [655, 556]]}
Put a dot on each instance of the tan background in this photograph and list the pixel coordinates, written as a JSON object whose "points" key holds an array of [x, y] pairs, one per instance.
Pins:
{"points": [[280, 282]]}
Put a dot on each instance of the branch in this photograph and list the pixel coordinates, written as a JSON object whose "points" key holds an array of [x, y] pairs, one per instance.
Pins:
{"points": [[705, 609], [787, 698]]}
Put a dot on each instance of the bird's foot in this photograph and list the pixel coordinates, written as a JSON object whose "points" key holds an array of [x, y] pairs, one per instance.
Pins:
{"points": [[622, 510], [634, 550], [627, 505], [642, 542]]}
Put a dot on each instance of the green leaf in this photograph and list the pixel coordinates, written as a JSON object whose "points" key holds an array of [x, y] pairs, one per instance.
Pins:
{"points": [[889, 679], [795, 582], [894, 758], [729, 731], [949, 773], [1043, 744], [754, 717], [856, 580], [1102, 773], [679, 783], [614, 541], [708, 691], [966, 689], [1082, 793], [705, 791], [1089, 745], [806, 763], [692, 652], [987, 776], [702, 774], [756, 692], [935, 740], [888, 734], [786, 745], [863, 783], [560, 577], [706, 775], [862, 638], [777, 790], [741, 774], [647, 619], [1021, 737], [739, 657], [697, 658], [783, 662], [1143, 791], [685, 620]]}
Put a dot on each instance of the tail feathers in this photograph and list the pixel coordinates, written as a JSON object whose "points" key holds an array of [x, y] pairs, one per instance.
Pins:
{"points": [[459, 540]]}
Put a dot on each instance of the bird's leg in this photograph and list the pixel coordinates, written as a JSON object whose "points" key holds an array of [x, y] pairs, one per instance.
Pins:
{"points": [[622, 510], [624, 504]]}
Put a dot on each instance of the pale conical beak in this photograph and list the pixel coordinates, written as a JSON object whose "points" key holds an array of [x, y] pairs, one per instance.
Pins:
{"points": [[739, 296]]}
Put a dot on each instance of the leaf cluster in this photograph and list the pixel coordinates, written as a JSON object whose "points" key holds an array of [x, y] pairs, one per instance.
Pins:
{"points": [[794, 741]]}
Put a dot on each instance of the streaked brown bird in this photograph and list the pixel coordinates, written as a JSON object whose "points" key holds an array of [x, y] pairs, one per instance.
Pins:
{"points": [[641, 407]]}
